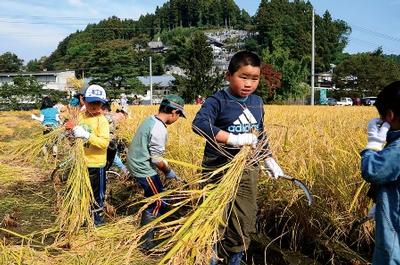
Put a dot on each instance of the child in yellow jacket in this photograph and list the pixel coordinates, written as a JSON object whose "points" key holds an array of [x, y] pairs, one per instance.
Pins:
{"points": [[94, 129]]}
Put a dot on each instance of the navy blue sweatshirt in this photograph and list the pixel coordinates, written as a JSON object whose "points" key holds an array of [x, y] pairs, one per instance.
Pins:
{"points": [[223, 111]]}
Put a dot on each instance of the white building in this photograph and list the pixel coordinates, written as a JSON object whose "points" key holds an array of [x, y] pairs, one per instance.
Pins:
{"points": [[56, 80]]}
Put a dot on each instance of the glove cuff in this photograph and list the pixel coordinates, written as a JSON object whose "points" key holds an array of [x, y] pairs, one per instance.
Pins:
{"points": [[232, 139], [374, 146]]}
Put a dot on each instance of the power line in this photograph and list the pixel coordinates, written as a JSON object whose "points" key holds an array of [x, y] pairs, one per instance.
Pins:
{"points": [[5, 20], [59, 17], [376, 45], [379, 34], [42, 23], [73, 21]]}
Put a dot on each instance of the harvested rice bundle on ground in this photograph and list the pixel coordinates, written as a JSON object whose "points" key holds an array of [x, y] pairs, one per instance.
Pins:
{"points": [[22, 254]]}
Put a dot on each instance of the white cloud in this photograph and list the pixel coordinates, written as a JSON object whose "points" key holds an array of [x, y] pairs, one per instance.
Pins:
{"points": [[29, 41]]}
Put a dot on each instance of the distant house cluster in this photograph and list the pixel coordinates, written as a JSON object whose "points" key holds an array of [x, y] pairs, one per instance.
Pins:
{"points": [[223, 50]]}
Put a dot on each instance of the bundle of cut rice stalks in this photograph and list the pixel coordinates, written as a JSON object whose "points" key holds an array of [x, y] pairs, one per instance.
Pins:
{"points": [[78, 195], [188, 239], [194, 242], [35, 148], [32, 149], [22, 254], [191, 239]]}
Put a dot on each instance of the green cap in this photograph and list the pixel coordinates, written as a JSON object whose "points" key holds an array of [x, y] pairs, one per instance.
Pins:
{"points": [[175, 102]]}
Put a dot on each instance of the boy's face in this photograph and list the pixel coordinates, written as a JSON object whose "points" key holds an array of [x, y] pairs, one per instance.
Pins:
{"points": [[93, 108], [174, 116], [244, 81]]}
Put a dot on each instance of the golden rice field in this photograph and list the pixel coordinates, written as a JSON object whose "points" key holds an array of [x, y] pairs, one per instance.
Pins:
{"points": [[319, 145]]}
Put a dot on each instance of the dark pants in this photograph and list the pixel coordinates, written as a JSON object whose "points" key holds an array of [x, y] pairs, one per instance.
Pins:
{"points": [[242, 220], [98, 182], [151, 186]]}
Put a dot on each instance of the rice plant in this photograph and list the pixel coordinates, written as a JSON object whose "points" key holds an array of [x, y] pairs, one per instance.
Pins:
{"points": [[318, 145]]}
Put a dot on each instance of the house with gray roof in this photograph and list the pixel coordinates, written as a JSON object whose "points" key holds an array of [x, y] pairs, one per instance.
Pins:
{"points": [[162, 85]]}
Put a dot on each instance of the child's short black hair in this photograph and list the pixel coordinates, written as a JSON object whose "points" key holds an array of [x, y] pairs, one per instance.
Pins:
{"points": [[243, 58], [165, 109], [389, 99], [47, 103], [172, 102]]}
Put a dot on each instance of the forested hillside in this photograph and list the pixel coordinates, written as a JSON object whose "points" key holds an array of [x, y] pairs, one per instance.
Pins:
{"points": [[279, 23]]}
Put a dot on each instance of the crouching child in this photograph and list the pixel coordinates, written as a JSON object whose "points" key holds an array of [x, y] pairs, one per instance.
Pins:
{"points": [[145, 157]]}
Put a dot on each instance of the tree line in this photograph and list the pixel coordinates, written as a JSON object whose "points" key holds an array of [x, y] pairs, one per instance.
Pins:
{"points": [[114, 51]]}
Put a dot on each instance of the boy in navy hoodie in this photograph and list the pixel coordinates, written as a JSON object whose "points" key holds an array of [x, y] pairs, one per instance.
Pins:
{"points": [[230, 117]]}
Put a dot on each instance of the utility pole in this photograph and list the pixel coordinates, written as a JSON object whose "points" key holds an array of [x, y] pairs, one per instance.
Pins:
{"points": [[151, 82], [312, 57]]}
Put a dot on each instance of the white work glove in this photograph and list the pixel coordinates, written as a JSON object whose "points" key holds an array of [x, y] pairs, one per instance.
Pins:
{"points": [[172, 175], [37, 118], [80, 132], [242, 139], [377, 134], [272, 168]]}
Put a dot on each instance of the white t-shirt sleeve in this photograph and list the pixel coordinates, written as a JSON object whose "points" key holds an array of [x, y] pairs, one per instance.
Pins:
{"points": [[158, 140]]}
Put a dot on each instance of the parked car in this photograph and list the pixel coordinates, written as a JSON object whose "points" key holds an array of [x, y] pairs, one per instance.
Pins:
{"points": [[331, 101], [368, 101], [345, 102]]}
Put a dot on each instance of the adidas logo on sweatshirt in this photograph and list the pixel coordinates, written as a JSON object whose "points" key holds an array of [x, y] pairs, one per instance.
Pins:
{"points": [[244, 123]]}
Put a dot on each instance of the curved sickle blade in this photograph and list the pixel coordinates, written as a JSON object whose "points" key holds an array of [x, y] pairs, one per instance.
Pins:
{"points": [[302, 186]]}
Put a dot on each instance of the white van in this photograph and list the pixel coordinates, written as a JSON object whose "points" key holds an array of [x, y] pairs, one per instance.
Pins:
{"points": [[345, 102]]}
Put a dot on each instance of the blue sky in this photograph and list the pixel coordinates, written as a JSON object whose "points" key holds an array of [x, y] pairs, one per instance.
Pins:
{"points": [[33, 28]]}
